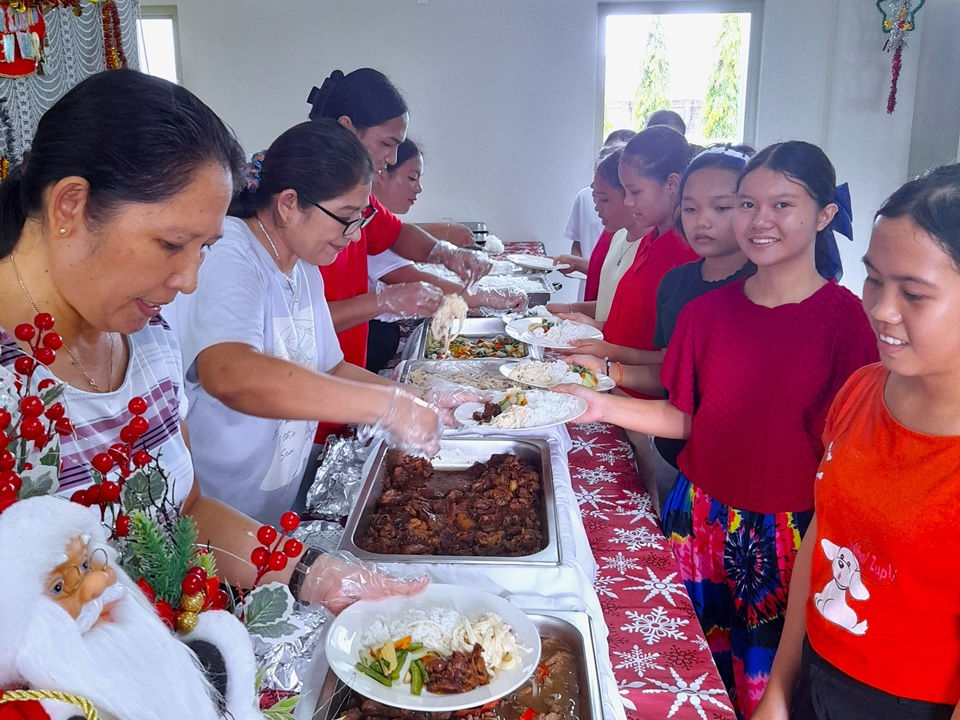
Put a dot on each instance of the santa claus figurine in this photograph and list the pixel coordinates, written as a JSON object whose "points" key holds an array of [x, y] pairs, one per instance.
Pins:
{"points": [[72, 622]]}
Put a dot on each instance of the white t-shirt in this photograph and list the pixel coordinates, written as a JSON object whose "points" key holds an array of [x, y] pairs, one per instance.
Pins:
{"points": [[584, 226], [153, 373], [251, 463], [619, 259]]}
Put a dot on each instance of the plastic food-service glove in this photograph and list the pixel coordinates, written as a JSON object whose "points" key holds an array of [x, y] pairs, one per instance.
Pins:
{"points": [[412, 300], [470, 265], [337, 580], [498, 299], [407, 424], [448, 396]]}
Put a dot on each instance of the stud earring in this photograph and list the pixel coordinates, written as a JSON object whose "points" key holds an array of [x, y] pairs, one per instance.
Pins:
{"points": [[63, 231]]}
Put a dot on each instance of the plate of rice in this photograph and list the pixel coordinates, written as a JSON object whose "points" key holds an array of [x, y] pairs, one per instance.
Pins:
{"points": [[389, 637], [535, 262], [547, 374], [551, 332], [521, 410]]}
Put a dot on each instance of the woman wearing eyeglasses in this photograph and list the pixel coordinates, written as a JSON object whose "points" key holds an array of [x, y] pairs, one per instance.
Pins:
{"points": [[261, 357]]}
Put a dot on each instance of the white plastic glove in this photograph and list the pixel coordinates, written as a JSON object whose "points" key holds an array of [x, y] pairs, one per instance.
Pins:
{"points": [[447, 396], [411, 300], [337, 580], [470, 265], [407, 424], [498, 299]]}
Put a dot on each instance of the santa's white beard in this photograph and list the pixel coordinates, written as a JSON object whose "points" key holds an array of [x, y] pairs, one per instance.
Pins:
{"points": [[131, 667]]}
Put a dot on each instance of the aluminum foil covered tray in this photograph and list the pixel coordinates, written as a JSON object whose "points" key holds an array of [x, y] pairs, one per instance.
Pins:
{"points": [[576, 678], [456, 456]]}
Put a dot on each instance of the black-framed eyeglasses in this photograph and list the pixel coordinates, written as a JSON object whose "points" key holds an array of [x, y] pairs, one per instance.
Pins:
{"points": [[351, 226]]}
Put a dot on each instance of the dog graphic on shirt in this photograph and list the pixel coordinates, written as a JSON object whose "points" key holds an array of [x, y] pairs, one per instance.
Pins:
{"points": [[832, 601]]}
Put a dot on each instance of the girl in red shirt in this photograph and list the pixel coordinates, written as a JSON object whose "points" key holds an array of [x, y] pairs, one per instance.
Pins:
{"points": [[751, 369], [875, 588]]}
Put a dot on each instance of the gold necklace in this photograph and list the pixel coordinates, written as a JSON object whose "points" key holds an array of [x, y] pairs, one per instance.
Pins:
{"points": [[73, 356]]}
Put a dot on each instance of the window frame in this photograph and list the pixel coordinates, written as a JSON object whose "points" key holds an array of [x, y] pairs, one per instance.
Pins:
{"points": [[668, 7], [163, 12]]}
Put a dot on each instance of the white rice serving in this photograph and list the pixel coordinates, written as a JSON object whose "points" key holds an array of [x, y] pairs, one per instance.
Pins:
{"points": [[542, 408], [563, 332], [543, 374]]}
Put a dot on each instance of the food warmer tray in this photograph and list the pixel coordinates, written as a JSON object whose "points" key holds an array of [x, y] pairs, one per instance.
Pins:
{"points": [[456, 454], [485, 366], [573, 628], [472, 328]]}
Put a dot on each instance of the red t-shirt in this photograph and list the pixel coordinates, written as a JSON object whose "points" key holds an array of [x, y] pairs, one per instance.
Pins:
{"points": [[885, 593], [633, 312], [757, 382], [347, 278], [597, 257]]}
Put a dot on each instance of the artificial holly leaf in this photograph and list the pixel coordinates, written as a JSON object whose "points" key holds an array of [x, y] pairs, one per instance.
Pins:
{"points": [[51, 394], [268, 613], [278, 631], [40, 480], [51, 456], [142, 491]]}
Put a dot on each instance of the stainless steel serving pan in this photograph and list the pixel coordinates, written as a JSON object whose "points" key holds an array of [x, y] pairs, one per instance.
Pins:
{"points": [[572, 628], [472, 328], [483, 367], [456, 454]]}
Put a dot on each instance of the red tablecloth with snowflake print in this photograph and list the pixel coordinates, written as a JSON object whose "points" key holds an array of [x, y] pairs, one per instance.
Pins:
{"points": [[659, 654]]}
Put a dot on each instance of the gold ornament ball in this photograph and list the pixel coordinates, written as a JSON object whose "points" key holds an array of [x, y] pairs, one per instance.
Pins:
{"points": [[192, 603], [186, 622]]}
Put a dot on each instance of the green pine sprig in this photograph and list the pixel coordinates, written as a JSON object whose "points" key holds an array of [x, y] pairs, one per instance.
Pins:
{"points": [[159, 558]]}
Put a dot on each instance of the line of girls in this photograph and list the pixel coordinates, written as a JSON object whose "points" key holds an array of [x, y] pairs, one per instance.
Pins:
{"points": [[793, 429]]}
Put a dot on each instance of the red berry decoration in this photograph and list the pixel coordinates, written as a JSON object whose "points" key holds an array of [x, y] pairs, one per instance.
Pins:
{"points": [[220, 600], [119, 454], [53, 341], [138, 406], [63, 426], [139, 425], [210, 587], [24, 365], [141, 458], [30, 428], [259, 557], [44, 321], [55, 411], [102, 463], [166, 613], [4, 438], [191, 585], [109, 491], [199, 572], [93, 495], [41, 440], [10, 484], [127, 435], [292, 548], [289, 521], [7, 460], [4, 418], [80, 497], [45, 383], [121, 526], [24, 332], [266, 534], [45, 356], [147, 589], [278, 561], [31, 406]]}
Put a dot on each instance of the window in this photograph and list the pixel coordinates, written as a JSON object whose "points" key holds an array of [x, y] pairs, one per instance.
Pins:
{"points": [[697, 59], [158, 43]]}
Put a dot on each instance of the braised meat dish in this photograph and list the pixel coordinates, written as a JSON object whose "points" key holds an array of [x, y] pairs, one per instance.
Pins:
{"points": [[488, 509], [456, 673], [489, 412]]}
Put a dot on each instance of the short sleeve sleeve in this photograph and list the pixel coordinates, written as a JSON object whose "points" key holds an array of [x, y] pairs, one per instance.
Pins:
{"points": [[679, 371], [227, 307], [659, 334], [382, 232], [572, 233]]}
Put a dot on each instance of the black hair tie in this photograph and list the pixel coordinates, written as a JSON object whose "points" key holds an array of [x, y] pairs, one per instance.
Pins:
{"points": [[319, 96]]}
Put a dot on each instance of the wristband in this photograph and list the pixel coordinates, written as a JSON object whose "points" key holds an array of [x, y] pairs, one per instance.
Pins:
{"points": [[606, 366], [304, 564], [619, 379]]}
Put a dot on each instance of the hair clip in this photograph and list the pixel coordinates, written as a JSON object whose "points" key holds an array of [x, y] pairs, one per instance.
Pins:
{"points": [[252, 171]]}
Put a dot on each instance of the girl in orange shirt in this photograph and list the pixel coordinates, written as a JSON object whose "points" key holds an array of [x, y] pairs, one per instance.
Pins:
{"points": [[871, 629]]}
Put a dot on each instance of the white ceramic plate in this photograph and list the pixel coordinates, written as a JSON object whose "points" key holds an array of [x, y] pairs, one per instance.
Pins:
{"points": [[464, 414], [519, 329], [577, 275], [535, 262], [604, 382], [343, 645]]}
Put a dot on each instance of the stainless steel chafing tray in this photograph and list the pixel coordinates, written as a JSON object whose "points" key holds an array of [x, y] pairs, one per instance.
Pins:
{"points": [[457, 454], [481, 367], [571, 628], [472, 328]]}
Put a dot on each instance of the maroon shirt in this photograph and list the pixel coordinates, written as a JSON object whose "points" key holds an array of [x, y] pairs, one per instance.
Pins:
{"points": [[758, 382]]}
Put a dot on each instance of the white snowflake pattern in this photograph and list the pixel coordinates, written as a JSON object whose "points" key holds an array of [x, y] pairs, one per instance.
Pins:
{"points": [[655, 625], [637, 660], [702, 643], [585, 445], [637, 538], [621, 563], [689, 693], [594, 499], [637, 506], [610, 457], [592, 476], [593, 428], [654, 586], [604, 585], [625, 447]]}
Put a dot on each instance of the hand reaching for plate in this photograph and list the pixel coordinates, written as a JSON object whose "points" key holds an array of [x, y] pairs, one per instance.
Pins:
{"points": [[337, 580], [576, 263], [581, 318], [595, 401], [590, 362], [596, 348]]}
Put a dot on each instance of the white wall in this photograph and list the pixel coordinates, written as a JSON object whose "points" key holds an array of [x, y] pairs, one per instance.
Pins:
{"points": [[503, 92]]}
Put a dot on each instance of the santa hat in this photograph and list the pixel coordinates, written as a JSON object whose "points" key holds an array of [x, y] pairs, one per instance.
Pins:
{"points": [[34, 534]]}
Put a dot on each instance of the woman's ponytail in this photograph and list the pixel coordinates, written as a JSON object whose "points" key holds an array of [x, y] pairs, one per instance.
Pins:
{"points": [[12, 216], [319, 96]]}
